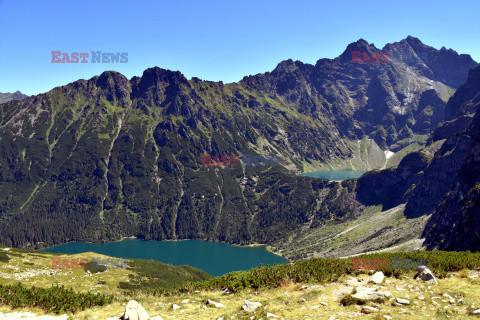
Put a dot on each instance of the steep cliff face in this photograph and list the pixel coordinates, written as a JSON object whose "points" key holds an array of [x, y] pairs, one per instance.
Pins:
{"points": [[391, 187], [425, 184], [455, 223], [467, 98], [447, 185], [459, 136]]}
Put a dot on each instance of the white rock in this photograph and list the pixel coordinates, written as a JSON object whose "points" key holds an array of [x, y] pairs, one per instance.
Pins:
{"points": [[476, 311], [387, 317], [365, 294], [215, 304], [449, 297], [368, 310], [377, 277], [134, 311], [426, 275], [185, 300], [175, 306], [271, 315], [250, 306], [402, 301]]}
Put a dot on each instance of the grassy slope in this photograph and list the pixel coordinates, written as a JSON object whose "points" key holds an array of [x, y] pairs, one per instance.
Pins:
{"points": [[22, 265], [321, 282], [375, 230]]}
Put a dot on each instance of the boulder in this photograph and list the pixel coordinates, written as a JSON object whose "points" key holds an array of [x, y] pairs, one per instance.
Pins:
{"points": [[134, 311], [250, 306], [426, 275], [175, 306], [378, 277], [367, 294]]}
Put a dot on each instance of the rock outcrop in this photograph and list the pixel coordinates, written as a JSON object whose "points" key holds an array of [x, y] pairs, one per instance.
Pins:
{"points": [[134, 311]]}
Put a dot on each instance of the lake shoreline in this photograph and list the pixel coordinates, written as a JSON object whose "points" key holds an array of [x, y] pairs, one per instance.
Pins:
{"points": [[334, 175], [251, 245], [214, 257]]}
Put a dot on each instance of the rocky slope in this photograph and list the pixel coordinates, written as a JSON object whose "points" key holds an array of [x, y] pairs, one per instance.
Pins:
{"points": [[455, 297], [455, 224], [447, 185], [438, 184]]}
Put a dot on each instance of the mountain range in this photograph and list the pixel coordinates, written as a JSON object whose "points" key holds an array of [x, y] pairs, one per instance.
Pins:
{"points": [[106, 158], [17, 95]]}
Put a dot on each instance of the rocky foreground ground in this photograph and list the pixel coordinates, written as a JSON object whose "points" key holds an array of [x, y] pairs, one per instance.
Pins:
{"points": [[455, 297]]}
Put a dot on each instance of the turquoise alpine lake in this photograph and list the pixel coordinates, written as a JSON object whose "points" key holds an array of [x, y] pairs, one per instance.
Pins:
{"points": [[215, 258], [334, 174]]}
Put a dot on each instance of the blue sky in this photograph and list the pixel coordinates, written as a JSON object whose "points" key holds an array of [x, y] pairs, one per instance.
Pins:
{"points": [[212, 40]]}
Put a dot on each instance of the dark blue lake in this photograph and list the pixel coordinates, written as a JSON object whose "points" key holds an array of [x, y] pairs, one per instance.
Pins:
{"points": [[215, 258], [334, 174]]}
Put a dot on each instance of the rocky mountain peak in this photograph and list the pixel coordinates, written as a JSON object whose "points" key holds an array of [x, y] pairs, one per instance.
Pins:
{"points": [[155, 75], [290, 66], [17, 95], [414, 42], [115, 85], [154, 83], [359, 45]]}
